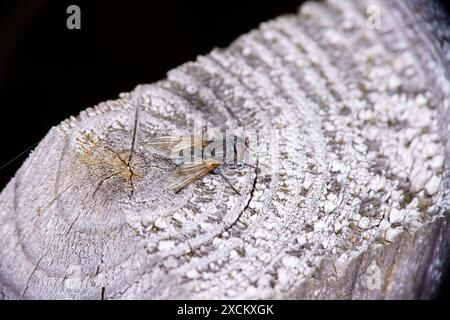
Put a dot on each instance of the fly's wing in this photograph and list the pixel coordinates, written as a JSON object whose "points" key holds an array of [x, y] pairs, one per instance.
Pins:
{"points": [[186, 174], [170, 146]]}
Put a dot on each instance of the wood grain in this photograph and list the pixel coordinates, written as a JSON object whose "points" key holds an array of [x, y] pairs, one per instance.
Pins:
{"points": [[348, 197]]}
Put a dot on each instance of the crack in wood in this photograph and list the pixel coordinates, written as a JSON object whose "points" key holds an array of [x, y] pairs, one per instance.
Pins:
{"points": [[133, 142], [22, 295]]}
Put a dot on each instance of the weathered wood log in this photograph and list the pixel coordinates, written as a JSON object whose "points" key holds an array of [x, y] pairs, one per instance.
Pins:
{"points": [[351, 201]]}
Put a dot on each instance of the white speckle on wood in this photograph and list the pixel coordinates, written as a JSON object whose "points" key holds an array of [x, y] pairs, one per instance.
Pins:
{"points": [[329, 207], [432, 185], [364, 223], [396, 215], [392, 233]]}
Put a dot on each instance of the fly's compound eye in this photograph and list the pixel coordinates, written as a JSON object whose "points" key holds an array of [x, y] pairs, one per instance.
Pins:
{"points": [[240, 151]]}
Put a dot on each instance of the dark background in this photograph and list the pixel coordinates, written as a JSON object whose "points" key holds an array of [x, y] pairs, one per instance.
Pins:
{"points": [[48, 73]]}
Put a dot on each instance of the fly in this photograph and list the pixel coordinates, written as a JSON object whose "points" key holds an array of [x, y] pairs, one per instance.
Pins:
{"points": [[196, 157]]}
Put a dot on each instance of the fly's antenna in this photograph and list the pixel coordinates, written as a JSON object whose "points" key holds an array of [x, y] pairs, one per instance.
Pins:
{"points": [[228, 181], [246, 142]]}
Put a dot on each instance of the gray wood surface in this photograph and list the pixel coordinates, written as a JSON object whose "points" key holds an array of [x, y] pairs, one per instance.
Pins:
{"points": [[350, 197]]}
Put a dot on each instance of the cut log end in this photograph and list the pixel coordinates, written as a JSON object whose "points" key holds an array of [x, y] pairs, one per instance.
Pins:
{"points": [[347, 194]]}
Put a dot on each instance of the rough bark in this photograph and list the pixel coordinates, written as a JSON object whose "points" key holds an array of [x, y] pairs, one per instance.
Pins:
{"points": [[352, 203]]}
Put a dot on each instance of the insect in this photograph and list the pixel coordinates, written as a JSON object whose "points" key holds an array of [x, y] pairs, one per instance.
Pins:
{"points": [[196, 157]]}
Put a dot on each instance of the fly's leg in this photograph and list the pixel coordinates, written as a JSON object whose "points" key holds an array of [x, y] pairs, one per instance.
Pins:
{"points": [[217, 171]]}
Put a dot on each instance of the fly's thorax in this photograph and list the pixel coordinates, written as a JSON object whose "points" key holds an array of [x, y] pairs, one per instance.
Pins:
{"points": [[229, 149], [212, 163]]}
